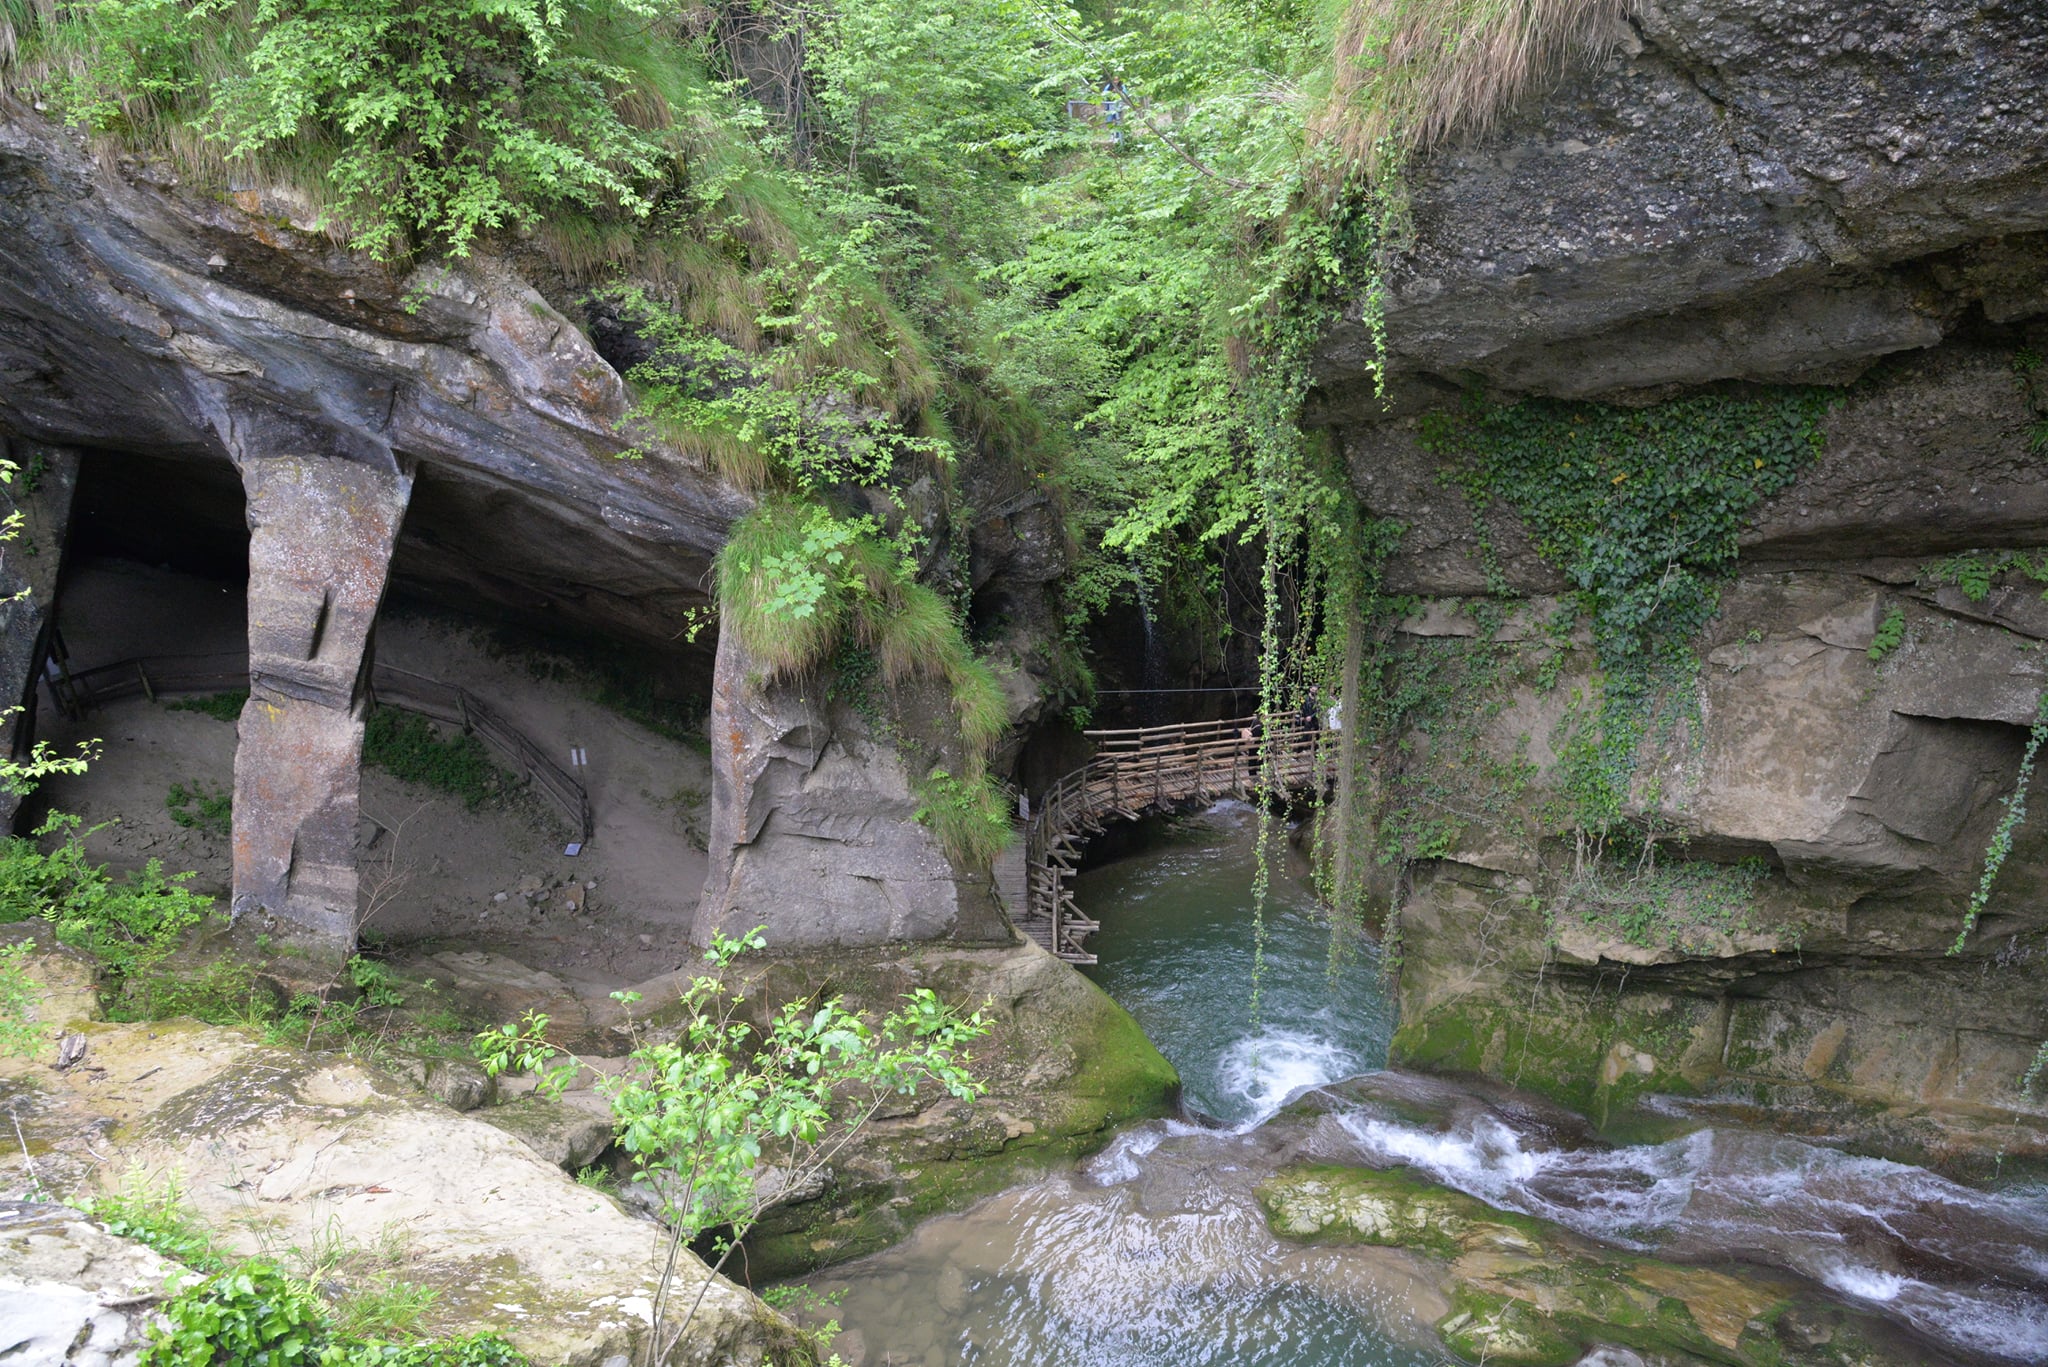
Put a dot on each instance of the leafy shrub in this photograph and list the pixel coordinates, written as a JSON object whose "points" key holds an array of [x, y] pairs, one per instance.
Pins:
{"points": [[971, 818], [251, 1315], [254, 1315], [157, 1215], [409, 747], [130, 924], [427, 120], [1889, 634], [698, 1106]]}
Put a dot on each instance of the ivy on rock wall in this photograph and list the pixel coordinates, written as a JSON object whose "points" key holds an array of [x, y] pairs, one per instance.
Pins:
{"points": [[1640, 509]]}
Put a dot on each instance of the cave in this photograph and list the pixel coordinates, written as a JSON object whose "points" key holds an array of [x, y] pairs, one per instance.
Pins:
{"points": [[535, 782]]}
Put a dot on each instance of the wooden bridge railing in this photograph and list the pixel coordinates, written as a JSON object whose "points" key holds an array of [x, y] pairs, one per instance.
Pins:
{"points": [[1145, 769], [170, 675]]}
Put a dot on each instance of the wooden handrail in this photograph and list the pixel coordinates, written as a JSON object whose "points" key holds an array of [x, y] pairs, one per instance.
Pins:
{"points": [[1146, 768], [161, 675]]}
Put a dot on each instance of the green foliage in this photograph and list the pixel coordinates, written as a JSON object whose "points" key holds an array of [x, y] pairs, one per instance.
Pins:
{"points": [[788, 576], [1640, 509], [250, 1315], [225, 707], [428, 121], [1436, 697], [1890, 633], [972, 818], [410, 747], [378, 984], [19, 1037], [797, 583], [253, 1314], [1685, 905], [130, 924], [156, 1214], [1974, 571], [2009, 822], [700, 1105], [784, 403], [195, 808]]}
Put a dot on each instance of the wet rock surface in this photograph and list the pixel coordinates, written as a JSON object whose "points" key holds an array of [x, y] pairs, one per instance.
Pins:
{"points": [[1065, 1068], [1524, 1292]]}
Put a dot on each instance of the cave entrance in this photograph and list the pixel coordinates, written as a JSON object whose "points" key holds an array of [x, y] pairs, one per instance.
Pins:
{"points": [[478, 708]]}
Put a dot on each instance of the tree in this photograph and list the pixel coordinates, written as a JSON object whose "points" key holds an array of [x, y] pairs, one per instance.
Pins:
{"points": [[702, 1102]]}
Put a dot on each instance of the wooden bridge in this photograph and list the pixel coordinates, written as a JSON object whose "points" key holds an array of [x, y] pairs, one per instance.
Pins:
{"points": [[1133, 772]]}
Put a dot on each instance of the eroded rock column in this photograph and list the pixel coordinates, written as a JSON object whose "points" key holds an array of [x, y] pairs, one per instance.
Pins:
{"points": [[814, 835], [320, 536]]}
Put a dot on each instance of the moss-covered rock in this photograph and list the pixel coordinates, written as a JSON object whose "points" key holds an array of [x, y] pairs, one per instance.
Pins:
{"points": [[1065, 1068], [1529, 1294]]}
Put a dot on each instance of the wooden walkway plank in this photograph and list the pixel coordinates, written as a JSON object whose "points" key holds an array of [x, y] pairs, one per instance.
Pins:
{"points": [[1145, 769]]}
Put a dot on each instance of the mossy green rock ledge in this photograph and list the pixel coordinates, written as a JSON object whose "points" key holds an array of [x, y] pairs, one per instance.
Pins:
{"points": [[1525, 1293]]}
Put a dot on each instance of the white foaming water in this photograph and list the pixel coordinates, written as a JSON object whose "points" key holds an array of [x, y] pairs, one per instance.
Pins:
{"points": [[1264, 1070], [1765, 1198], [1625, 1196], [1484, 1163], [1123, 1160], [1865, 1283]]}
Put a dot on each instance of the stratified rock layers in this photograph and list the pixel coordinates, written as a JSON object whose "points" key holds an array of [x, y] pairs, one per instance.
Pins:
{"points": [[1744, 192]]}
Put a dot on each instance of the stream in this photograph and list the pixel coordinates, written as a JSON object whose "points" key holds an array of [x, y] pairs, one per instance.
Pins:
{"points": [[1155, 1253]]}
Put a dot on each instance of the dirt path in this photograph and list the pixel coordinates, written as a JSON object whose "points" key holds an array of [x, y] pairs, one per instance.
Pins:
{"points": [[433, 871]]}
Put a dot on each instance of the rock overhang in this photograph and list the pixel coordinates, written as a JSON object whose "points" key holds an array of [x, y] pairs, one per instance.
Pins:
{"points": [[1735, 191], [140, 317]]}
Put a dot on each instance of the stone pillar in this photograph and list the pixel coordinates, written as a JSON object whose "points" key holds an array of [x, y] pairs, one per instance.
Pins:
{"points": [[41, 491], [321, 531]]}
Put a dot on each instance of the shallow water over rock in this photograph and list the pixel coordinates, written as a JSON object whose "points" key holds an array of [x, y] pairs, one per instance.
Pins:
{"points": [[1157, 1251]]}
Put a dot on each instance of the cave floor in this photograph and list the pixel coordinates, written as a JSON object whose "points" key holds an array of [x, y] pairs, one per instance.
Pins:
{"points": [[432, 869]]}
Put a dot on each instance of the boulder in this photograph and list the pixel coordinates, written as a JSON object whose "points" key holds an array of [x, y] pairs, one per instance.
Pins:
{"points": [[71, 1293], [278, 1149], [814, 835], [1528, 1293], [1064, 1065]]}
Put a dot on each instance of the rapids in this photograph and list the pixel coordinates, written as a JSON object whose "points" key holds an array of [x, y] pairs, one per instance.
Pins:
{"points": [[1155, 1251]]}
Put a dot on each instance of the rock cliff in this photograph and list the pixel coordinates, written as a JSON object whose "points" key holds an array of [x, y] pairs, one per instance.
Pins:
{"points": [[445, 428], [1741, 193]]}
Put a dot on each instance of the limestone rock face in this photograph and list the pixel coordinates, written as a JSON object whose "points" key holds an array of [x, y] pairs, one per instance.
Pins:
{"points": [[813, 835], [1743, 191], [118, 332], [279, 1149], [1739, 189], [72, 1293]]}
